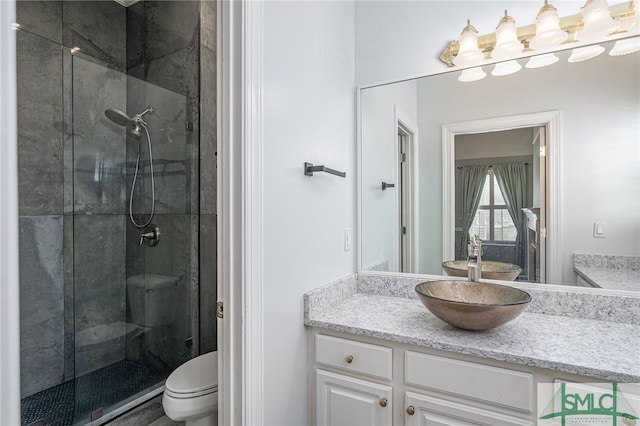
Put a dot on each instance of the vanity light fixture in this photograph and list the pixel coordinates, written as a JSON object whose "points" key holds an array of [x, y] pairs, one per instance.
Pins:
{"points": [[632, 26], [542, 60], [472, 74], [548, 35], [548, 31], [507, 43], [468, 52], [595, 22], [598, 22], [15, 26], [581, 54], [626, 46], [506, 68]]}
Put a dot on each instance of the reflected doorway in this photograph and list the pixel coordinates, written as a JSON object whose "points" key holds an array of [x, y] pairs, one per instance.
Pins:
{"points": [[499, 194], [546, 161]]}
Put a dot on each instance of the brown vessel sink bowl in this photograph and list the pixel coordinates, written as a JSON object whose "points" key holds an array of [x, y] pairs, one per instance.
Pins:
{"points": [[473, 305], [489, 269]]}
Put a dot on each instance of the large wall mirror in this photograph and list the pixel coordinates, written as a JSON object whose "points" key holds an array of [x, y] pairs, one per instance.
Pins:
{"points": [[543, 164]]}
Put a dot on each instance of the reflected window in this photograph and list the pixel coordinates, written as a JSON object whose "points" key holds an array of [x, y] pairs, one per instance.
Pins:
{"points": [[492, 221]]}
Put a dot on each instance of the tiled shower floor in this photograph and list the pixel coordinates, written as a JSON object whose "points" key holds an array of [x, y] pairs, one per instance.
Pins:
{"points": [[76, 399]]}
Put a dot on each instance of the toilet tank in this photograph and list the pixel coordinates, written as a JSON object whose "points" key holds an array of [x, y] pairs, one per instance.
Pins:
{"points": [[151, 299]]}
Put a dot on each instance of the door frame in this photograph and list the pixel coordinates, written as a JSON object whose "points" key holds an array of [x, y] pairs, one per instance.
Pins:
{"points": [[551, 121], [402, 123], [240, 212]]}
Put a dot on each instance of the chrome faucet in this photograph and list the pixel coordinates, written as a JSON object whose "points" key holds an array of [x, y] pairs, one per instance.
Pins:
{"points": [[474, 259]]}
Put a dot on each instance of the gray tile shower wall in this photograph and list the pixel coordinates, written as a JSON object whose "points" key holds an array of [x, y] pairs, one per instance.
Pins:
{"points": [[174, 257], [155, 29], [100, 291], [98, 144], [41, 303], [46, 174], [40, 126], [166, 48], [208, 129], [97, 28], [43, 18]]}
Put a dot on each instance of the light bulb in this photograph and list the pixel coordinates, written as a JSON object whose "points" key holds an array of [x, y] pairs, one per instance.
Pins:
{"points": [[507, 43], [542, 60], [584, 53], [548, 32], [468, 52], [626, 46], [506, 68], [472, 74], [597, 21]]}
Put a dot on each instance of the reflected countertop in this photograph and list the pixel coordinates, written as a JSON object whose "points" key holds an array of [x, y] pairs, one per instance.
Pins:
{"points": [[608, 271], [615, 279]]}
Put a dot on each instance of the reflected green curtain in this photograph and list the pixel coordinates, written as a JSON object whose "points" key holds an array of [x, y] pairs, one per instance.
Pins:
{"points": [[472, 181], [512, 180]]}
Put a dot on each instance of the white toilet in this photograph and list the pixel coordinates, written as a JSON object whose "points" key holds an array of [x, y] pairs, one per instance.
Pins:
{"points": [[191, 392]]}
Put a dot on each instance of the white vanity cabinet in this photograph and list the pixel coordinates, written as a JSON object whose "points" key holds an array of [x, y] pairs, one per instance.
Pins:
{"points": [[360, 394], [358, 382]]}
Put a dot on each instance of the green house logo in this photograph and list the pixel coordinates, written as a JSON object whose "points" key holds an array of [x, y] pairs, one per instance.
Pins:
{"points": [[596, 407]]}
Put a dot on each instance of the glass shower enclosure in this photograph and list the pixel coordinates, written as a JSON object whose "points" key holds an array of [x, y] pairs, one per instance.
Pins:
{"points": [[117, 225], [133, 295]]}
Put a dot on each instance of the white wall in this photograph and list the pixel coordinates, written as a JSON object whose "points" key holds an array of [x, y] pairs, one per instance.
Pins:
{"points": [[380, 228], [396, 39], [309, 115]]}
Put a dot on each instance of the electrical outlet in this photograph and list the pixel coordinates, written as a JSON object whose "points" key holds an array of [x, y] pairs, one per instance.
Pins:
{"points": [[347, 239]]}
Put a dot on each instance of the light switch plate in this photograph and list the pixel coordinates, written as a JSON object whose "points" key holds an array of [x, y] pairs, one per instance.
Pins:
{"points": [[347, 239], [598, 229]]}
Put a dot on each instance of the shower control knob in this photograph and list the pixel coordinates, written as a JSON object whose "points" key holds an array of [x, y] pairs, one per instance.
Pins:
{"points": [[150, 235]]}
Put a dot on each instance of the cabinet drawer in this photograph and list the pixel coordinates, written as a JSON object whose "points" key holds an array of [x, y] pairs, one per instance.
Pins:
{"points": [[498, 386], [354, 356]]}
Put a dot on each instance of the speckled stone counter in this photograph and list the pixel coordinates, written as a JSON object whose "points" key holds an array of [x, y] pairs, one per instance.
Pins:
{"points": [[610, 272], [590, 347]]}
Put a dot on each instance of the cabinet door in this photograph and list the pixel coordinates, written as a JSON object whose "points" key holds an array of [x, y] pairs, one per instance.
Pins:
{"points": [[347, 401], [430, 411]]}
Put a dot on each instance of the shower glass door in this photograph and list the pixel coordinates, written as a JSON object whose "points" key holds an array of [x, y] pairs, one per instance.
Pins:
{"points": [[135, 302]]}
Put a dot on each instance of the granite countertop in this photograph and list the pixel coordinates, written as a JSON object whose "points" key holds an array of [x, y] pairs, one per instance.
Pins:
{"points": [[595, 348], [615, 279]]}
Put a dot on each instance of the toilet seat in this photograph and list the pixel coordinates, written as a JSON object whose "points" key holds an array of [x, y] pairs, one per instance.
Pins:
{"points": [[196, 377]]}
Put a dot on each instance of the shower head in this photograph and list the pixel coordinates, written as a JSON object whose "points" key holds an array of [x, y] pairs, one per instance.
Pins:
{"points": [[133, 125], [118, 117]]}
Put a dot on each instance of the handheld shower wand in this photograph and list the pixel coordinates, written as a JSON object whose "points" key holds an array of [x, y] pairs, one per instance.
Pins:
{"points": [[134, 127]]}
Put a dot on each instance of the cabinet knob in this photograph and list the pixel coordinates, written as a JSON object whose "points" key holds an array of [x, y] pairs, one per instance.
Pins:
{"points": [[411, 410], [348, 359], [383, 402]]}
